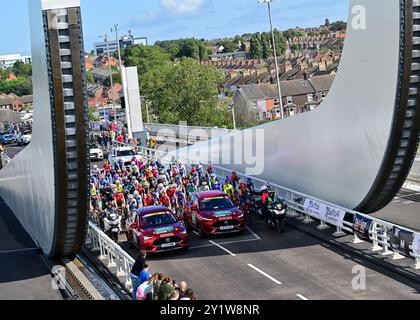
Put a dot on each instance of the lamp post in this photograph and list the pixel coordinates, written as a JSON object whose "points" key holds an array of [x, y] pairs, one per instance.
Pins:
{"points": [[110, 75], [268, 2], [232, 107], [115, 28]]}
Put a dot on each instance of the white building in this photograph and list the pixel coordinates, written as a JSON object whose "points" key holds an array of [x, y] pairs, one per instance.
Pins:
{"points": [[7, 61], [126, 41]]}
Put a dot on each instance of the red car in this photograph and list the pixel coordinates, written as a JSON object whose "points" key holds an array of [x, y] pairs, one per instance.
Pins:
{"points": [[212, 212], [155, 229]]}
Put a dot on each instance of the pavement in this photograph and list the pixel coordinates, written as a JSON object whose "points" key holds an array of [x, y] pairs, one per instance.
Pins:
{"points": [[264, 265], [23, 273], [404, 210]]}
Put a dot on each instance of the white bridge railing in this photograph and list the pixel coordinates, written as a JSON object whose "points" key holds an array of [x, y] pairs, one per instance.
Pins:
{"points": [[379, 233], [98, 241]]}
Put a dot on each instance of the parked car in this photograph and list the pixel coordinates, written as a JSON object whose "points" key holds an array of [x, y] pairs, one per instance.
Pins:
{"points": [[24, 140], [212, 212], [125, 153], [96, 152], [155, 229], [7, 139]]}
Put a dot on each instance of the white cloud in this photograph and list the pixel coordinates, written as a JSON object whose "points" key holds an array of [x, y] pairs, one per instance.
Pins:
{"points": [[182, 6]]}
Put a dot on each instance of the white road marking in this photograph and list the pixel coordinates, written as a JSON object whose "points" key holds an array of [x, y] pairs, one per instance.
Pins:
{"points": [[408, 195], [253, 233], [264, 274], [224, 249], [408, 202], [196, 233], [302, 297], [239, 241]]}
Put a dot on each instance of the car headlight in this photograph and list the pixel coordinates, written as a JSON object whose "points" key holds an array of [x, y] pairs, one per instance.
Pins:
{"points": [[240, 215], [147, 238], [206, 219], [184, 232]]}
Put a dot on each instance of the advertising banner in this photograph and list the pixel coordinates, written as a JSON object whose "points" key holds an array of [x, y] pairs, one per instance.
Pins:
{"points": [[416, 244], [401, 240], [325, 212], [361, 227], [313, 208], [333, 215]]}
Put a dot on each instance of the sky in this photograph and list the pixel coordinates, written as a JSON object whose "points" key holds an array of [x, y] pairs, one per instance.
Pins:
{"points": [[173, 19]]}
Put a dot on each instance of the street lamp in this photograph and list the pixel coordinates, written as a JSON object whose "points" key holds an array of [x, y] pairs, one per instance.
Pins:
{"points": [[115, 29], [268, 2], [232, 107], [110, 75]]}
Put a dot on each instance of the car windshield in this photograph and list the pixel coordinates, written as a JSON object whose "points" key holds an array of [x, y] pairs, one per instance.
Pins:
{"points": [[94, 146], [216, 203], [125, 153], [157, 219]]}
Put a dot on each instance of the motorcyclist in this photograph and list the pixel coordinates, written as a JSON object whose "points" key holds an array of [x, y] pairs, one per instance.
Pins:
{"points": [[112, 224]]}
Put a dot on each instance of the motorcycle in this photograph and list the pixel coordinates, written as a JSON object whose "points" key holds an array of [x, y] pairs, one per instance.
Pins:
{"points": [[256, 206], [113, 226], [275, 216]]}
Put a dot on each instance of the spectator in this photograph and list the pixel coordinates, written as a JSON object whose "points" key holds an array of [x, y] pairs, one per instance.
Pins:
{"points": [[138, 267], [144, 274], [165, 289], [174, 295], [156, 285], [189, 295]]}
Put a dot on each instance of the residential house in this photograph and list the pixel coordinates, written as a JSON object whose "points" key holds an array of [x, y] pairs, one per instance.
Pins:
{"points": [[258, 102], [11, 102]]}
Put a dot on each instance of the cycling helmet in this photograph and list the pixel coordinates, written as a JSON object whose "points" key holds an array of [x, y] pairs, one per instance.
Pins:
{"points": [[264, 188]]}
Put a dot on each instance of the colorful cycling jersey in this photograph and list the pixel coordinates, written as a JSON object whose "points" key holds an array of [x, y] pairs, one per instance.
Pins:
{"points": [[229, 190]]}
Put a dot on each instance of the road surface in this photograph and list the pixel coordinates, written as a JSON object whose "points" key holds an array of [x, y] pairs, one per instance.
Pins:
{"points": [[264, 265]]}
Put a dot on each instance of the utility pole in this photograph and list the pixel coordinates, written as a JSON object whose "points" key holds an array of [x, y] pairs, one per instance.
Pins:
{"points": [[232, 107], [115, 28], [268, 2], [110, 77]]}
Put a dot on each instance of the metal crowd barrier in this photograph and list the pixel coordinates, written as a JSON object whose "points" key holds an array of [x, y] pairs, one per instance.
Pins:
{"points": [[117, 258], [379, 232]]}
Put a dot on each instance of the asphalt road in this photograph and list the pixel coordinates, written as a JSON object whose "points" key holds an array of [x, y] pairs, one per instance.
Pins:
{"points": [[265, 265]]}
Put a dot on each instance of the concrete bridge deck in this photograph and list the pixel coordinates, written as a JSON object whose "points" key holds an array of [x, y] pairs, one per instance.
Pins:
{"points": [[23, 273]]}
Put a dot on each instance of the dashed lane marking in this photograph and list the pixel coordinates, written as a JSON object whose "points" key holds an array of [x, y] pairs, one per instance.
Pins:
{"points": [[224, 249], [302, 297], [264, 274]]}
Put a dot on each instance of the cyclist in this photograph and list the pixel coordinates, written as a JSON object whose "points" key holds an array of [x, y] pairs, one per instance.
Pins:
{"points": [[229, 189]]}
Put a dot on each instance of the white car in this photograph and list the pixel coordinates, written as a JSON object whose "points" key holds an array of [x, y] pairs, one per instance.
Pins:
{"points": [[125, 153], [24, 139], [96, 153]]}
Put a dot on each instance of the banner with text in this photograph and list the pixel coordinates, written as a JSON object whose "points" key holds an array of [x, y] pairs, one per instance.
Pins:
{"points": [[361, 226], [401, 240], [416, 244], [325, 212]]}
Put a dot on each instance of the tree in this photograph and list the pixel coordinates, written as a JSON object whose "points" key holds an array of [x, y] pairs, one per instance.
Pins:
{"points": [[20, 86], [89, 78], [266, 45], [229, 46], [327, 22], [256, 47], [21, 69], [281, 42], [189, 94], [116, 78]]}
